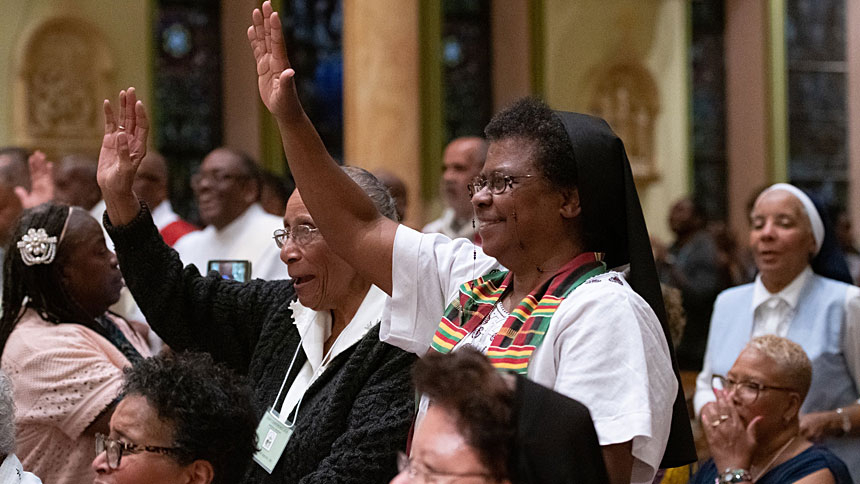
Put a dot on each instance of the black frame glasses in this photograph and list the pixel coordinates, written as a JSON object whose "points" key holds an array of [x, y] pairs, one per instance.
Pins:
{"points": [[497, 182], [116, 448], [746, 391], [302, 235], [427, 476]]}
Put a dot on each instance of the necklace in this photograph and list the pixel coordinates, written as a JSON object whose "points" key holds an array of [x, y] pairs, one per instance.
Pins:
{"points": [[773, 459]]}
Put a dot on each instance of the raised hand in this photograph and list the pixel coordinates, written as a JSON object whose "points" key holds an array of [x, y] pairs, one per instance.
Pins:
{"points": [[41, 181], [123, 146], [274, 75]]}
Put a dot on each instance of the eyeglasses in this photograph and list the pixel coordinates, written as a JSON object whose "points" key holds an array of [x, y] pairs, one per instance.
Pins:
{"points": [[421, 474], [497, 182], [746, 391], [215, 178], [116, 448], [302, 235]]}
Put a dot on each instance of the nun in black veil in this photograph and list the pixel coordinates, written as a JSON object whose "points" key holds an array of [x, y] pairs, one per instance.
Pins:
{"points": [[558, 213]]}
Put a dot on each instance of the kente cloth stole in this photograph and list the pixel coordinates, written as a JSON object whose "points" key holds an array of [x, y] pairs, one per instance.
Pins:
{"points": [[525, 328]]}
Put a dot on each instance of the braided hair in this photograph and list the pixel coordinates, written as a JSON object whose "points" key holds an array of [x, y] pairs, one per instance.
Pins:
{"points": [[39, 286]]}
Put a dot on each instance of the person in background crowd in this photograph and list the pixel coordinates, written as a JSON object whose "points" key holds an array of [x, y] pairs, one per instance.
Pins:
{"points": [[316, 363], [227, 190], [181, 419], [11, 470], [462, 161], [151, 185], [846, 242], [691, 264], [63, 351], [75, 184], [485, 426], [753, 427], [554, 191], [274, 192], [397, 189], [789, 299]]}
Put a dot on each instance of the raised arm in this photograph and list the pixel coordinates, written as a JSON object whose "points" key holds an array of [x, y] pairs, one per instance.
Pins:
{"points": [[349, 221]]}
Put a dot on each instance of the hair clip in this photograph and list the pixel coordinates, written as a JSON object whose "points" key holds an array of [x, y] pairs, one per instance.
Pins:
{"points": [[37, 248]]}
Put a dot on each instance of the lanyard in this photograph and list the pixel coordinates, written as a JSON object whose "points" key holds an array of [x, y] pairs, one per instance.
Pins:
{"points": [[325, 361]]}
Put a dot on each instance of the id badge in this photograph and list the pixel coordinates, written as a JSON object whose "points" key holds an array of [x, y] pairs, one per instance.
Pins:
{"points": [[272, 438]]}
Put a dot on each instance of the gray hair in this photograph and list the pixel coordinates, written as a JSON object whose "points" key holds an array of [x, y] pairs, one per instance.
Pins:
{"points": [[789, 357], [374, 189], [7, 416]]}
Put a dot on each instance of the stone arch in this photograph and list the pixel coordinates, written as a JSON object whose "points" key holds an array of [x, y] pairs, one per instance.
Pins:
{"points": [[63, 70], [626, 96]]}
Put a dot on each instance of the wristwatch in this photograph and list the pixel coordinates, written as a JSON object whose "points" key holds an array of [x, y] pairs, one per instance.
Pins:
{"points": [[846, 420], [734, 475]]}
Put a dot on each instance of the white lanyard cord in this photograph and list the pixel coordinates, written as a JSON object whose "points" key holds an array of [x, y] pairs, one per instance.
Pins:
{"points": [[316, 372]]}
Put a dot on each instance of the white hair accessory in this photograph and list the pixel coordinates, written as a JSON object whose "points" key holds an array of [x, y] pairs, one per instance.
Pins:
{"points": [[809, 207], [37, 248]]}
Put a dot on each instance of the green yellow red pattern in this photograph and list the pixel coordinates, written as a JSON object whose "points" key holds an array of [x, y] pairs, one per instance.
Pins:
{"points": [[525, 328]]}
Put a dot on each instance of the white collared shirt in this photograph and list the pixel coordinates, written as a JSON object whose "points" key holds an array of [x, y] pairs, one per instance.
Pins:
{"points": [[11, 472], [163, 215], [772, 312], [315, 328]]}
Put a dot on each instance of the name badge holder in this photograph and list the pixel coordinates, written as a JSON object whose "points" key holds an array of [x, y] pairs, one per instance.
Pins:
{"points": [[273, 431]]}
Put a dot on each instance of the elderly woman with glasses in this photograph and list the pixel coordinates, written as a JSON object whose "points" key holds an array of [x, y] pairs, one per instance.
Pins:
{"points": [[753, 427], [181, 419], [790, 299], [333, 402], [556, 206]]}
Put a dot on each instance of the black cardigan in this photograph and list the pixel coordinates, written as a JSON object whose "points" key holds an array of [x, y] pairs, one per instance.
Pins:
{"points": [[353, 418]]}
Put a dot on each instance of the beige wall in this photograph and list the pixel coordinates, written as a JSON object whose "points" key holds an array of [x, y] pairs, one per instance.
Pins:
{"points": [[124, 26], [583, 37]]}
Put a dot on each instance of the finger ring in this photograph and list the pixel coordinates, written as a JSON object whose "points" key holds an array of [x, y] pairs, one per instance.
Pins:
{"points": [[715, 423], [723, 418], [121, 127]]}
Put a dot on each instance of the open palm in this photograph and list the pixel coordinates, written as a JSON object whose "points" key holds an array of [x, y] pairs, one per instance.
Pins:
{"points": [[124, 144], [274, 75]]}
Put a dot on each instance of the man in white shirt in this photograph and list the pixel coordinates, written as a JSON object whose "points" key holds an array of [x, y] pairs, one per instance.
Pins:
{"points": [[463, 160], [150, 184], [227, 189]]}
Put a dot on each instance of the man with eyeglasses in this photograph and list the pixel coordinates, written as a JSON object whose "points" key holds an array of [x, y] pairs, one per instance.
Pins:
{"points": [[227, 191], [182, 419]]}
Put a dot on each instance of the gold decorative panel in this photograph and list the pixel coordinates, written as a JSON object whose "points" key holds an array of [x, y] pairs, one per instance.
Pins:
{"points": [[63, 72], [626, 96]]}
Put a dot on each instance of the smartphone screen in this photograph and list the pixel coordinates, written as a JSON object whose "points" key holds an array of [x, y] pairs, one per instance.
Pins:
{"points": [[238, 270]]}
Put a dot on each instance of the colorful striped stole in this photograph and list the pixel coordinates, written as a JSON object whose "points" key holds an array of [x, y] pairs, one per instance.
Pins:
{"points": [[525, 328]]}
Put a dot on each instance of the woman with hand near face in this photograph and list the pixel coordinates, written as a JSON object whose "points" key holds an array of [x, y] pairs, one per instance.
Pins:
{"points": [[555, 205], [334, 402], [753, 427], [789, 300], [62, 349]]}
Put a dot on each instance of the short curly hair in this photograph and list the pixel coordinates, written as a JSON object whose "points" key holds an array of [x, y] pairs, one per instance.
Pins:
{"points": [[466, 384], [208, 405], [532, 120]]}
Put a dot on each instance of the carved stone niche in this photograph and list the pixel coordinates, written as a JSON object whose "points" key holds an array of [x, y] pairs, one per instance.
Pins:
{"points": [[626, 96], [63, 72]]}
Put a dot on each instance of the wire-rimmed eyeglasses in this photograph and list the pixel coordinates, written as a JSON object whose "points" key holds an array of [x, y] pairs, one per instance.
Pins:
{"points": [[301, 234], [497, 182], [420, 474]]}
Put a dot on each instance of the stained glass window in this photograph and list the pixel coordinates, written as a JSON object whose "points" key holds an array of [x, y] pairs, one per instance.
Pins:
{"points": [[817, 115]]}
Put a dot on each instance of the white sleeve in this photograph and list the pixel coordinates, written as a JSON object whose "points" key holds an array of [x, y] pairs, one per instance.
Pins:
{"points": [[613, 357], [426, 270], [704, 393], [851, 334]]}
